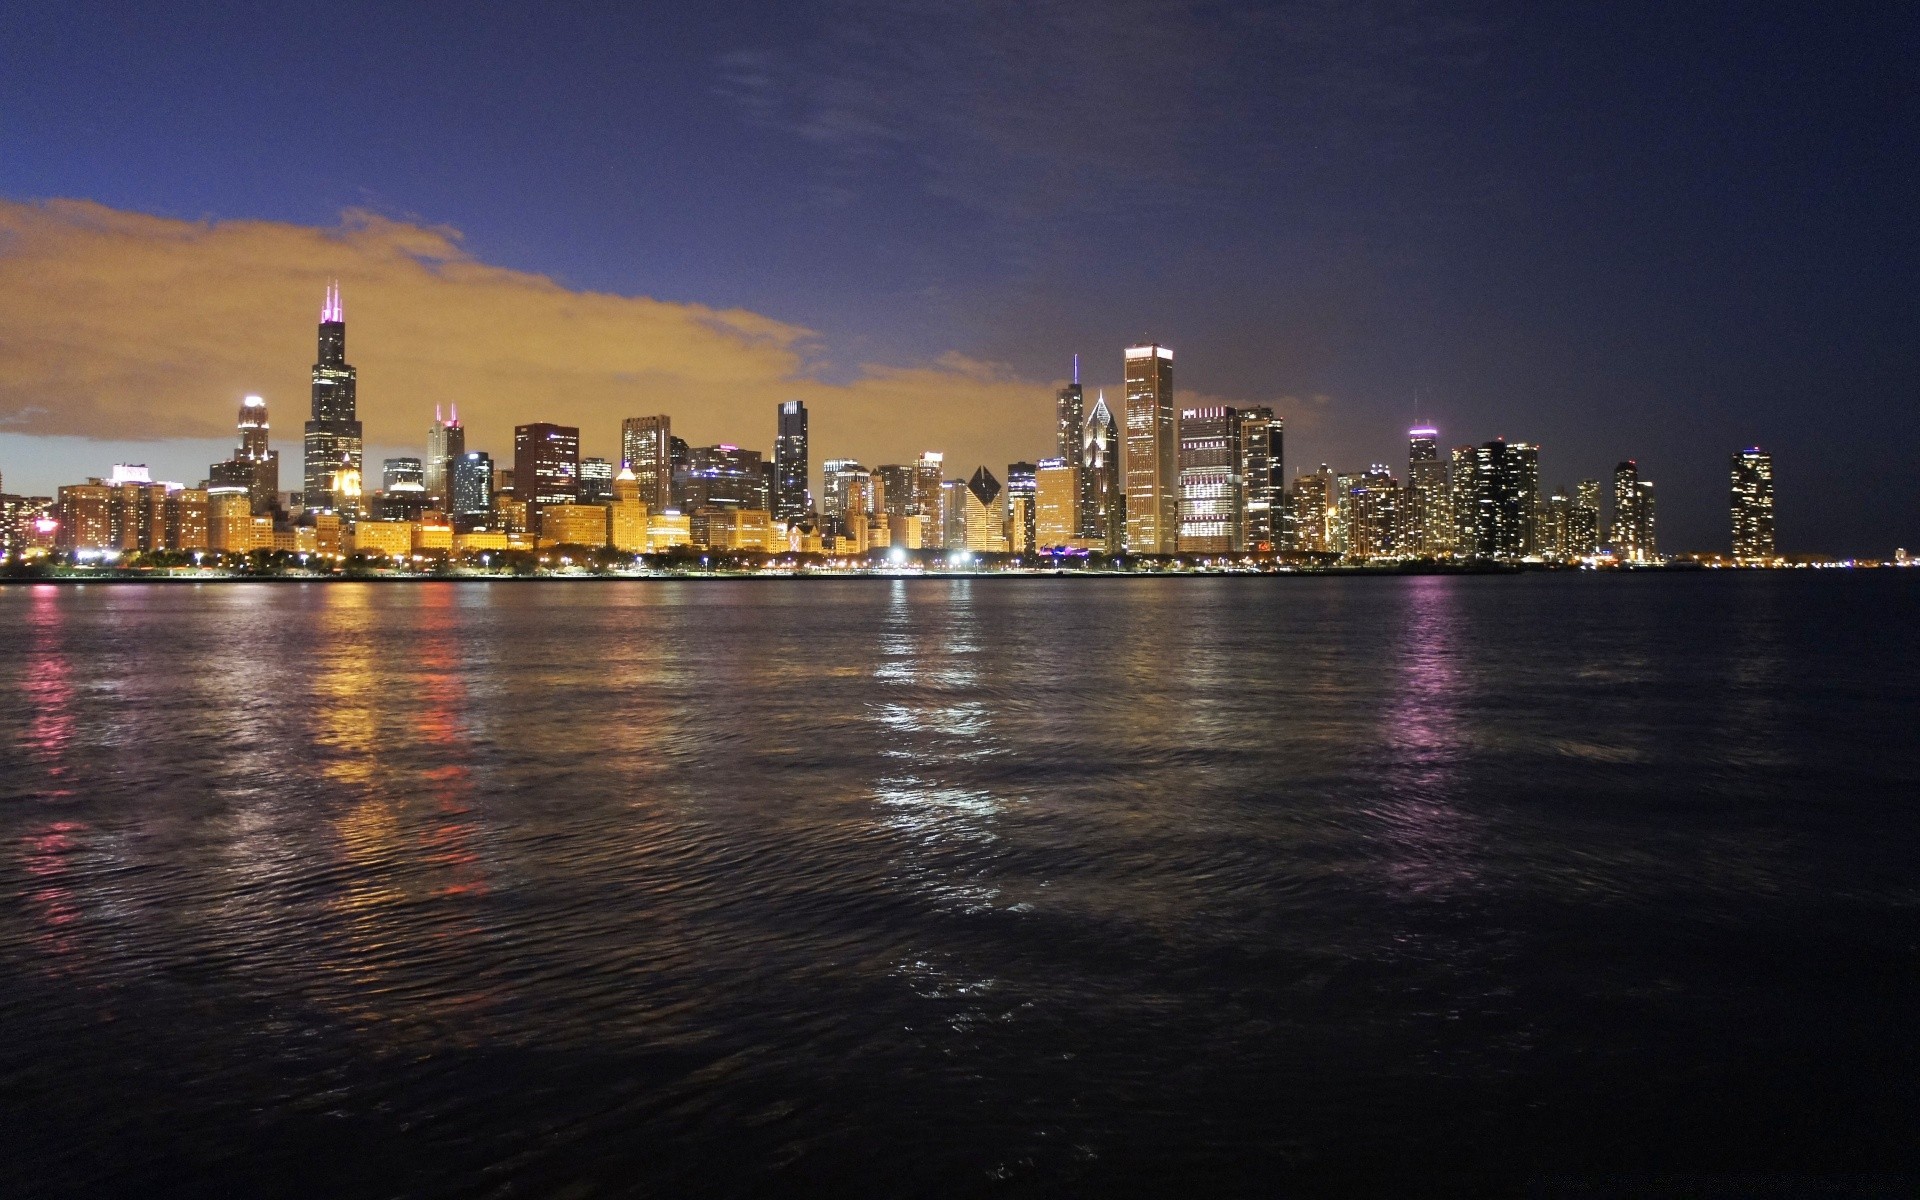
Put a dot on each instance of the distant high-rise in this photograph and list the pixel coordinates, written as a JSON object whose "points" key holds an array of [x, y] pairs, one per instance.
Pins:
{"points": [[596, 480], [254, 466], [546, 467], [1752, 505], [1463, 500], [790, 500], [1632, 536], [470, 483], [1370, 506], [1070, 417], [1505, 480], [1429, 516], [895, 485], [333, 435], [928, 501], [1022, 487], [982, 520], [1103, 511], [1151, 462], [446, 441], [1583, 523], [1056, 503], [1314, 503], [409, 474], [846, 491], [1209, 479], [1260, 439], [723, 476], [646, 449]]}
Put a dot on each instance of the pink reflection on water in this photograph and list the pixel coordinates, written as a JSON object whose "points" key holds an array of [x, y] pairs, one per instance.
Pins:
{"points": [[50, 901], [49, 691], [1430, 841]]}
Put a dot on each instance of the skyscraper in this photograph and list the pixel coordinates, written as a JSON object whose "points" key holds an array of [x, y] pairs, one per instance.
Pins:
{"points": [[1056, 503], [333, 436], [1022, 487], [1069, 416], [928, 500], [1314, 502], [895, 485], [1429, 516], [546, 467], [471, 486], [254, 465], [1583, 523], [1371, 508], [1752, 505], [1152, 452], [446, 441], [984, 523], [1463, 501], [596, 480], [723, 476], [1260, 435], [846, 491], [1103, 511], [790, 501], [1505, 481], [1209, 478], [1632, 536], [646, 448]]}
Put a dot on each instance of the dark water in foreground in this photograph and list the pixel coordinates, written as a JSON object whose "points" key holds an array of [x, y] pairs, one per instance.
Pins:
{"points": [[959, 886]]}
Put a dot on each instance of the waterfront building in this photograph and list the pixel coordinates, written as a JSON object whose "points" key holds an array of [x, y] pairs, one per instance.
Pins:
{"points": [[446, 443], [393, 539], [1259, 438], [733, 529], [574, 525], [983, 525], [511, 514], [1103, 496], [847, 491], [471, 485], [1314, 503], [230, 521], [1056, 516], [596, 481], [432, 537], [1209, 482], [1506, 493], [187, 514], [952, 522], [909, 532], [1152, 452], [1583, 522], [1632, 536], [333, 434], [85, 525], [929, 494], [1369, 515], [479, 541], [1021, 489], [646, 447], [255, 465], [1554, 526], [1751, 503], [1429, 515], [627, 515], [791, 503], [1463, 500], [668, 529], [546, 468]]}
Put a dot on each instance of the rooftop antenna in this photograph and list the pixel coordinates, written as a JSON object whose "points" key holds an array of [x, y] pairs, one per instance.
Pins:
{"points": [[1076, 370]]}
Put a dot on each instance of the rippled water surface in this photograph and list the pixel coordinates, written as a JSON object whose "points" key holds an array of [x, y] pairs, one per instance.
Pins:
{"points": [[958, 886]]}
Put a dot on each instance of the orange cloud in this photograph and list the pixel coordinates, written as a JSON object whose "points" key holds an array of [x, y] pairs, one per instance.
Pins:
{"points": [[129, 326]]}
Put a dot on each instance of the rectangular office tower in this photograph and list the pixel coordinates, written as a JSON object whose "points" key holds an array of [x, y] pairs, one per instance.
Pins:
{"points": [[1633, 536], [790, 501], [1428, 516], [646, 448], [1260, 439], [1209, 481], [333, 435], [1752, 502], [546, 466], [1151, 463]]}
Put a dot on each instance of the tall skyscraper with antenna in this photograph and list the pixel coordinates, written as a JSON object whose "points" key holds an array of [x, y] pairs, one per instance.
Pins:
{"points": [[446, 442], [333, 442]]}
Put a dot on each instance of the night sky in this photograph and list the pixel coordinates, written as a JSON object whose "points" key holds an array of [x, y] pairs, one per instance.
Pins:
{"points": [[1660, 232]]}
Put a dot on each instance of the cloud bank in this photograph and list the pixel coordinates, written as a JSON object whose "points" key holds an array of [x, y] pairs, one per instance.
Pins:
{"points": [[128, 326]]}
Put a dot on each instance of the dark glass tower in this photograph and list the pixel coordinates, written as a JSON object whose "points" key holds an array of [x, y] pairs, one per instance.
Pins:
{"points": [[790, 464], [333, 435]]}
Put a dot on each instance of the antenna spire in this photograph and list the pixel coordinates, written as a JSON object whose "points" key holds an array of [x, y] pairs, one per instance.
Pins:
{"points": [[1076, 370]]}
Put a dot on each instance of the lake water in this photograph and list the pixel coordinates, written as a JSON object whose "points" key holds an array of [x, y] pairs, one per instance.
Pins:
{"points": [[961, 886]]}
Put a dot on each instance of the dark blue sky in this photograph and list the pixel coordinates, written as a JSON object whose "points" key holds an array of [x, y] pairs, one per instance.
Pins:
{"points": [[1659, 232]]}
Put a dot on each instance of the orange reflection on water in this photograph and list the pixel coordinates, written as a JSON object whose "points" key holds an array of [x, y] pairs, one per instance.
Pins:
{"points": [[49, 690]]}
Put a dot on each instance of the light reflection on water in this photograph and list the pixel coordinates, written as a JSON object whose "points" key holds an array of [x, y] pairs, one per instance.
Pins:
{"points": [[1049, 884]]}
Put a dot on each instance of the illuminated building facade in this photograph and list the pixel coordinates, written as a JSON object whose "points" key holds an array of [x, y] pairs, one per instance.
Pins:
{"points": [[791, 503], [1314, 507], [1021, 486], [583, 525], [1751, 503], [546, 467], [1152, 452], [596, 481], [1632, 536], [646, 446], [1056, 506], [982, 525], [333, 434], [1583, 522], [722, 476], [1429, 513], [471, 484], [893, 486], [446, 443], [255, 465], [1209, 481], [930, 497], [1505, 482], [1260, 440], [84, 521], [1103, 496]]}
